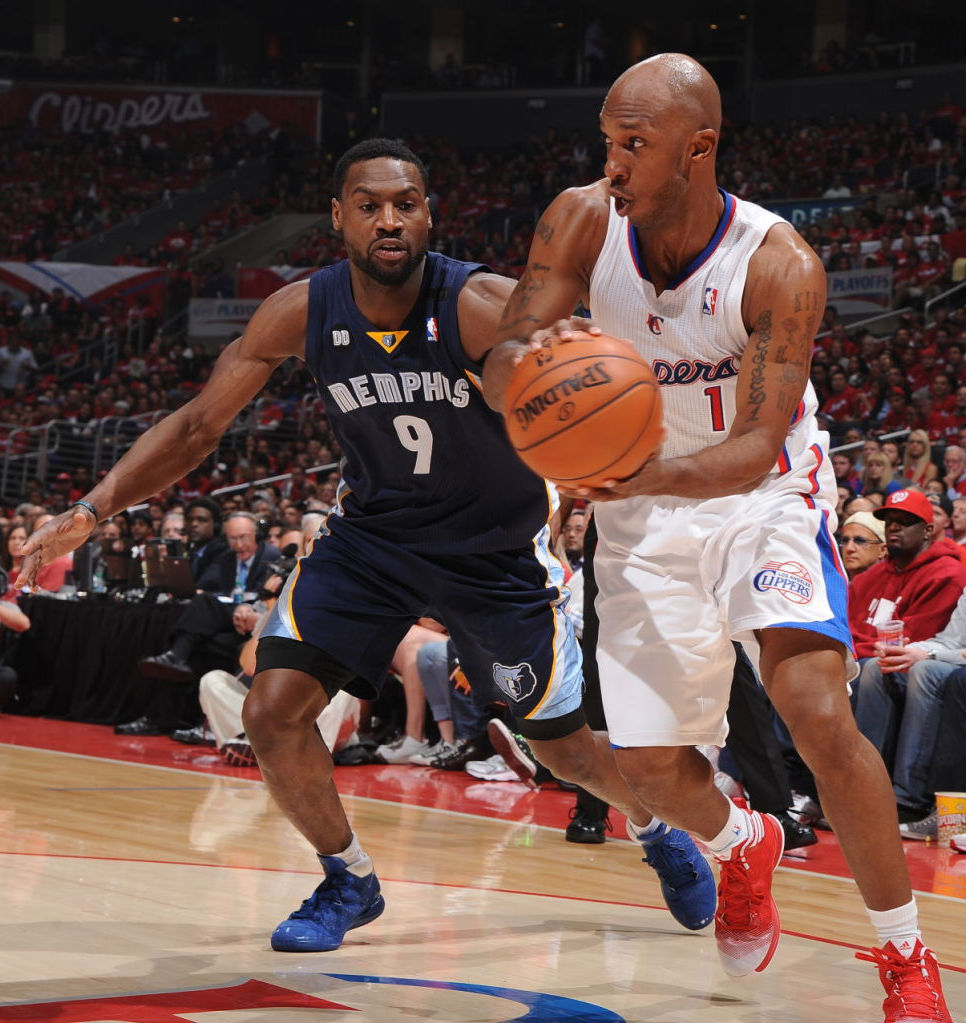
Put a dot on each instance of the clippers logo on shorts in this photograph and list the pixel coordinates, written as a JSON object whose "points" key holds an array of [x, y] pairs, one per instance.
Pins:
{"points": [[788, 577], [710, 301], [654, 323], [516, 680]]}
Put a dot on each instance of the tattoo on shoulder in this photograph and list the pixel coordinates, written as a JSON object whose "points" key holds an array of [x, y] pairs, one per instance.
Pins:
{"points": [[545, 231]]}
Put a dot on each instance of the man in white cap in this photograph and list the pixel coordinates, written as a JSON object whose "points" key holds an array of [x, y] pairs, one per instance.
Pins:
{"points": [[861, 542]]}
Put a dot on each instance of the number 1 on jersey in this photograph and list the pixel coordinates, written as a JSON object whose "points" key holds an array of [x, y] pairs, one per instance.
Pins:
{"points": [[415, 435], [717, 408]]}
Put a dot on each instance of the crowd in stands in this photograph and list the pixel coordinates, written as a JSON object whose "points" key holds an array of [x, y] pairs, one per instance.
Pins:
{"points": [[59, 189], [55, 364]]}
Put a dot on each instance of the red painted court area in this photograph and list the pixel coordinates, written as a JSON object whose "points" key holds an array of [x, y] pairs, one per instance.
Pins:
{"points": [[931, 869]]}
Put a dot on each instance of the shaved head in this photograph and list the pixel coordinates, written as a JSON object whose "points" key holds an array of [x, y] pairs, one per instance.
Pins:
{"points": [[675, 85], [661, 122]]}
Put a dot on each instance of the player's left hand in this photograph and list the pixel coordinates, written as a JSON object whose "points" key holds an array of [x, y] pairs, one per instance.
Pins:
{"points": [[651, 479], [62, 534]]}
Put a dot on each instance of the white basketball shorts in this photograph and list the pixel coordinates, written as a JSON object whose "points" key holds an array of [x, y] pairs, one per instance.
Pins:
{"points": [[680, 580]]}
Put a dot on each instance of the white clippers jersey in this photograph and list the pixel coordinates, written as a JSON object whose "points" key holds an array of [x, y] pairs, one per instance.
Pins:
{"points": [[692, 333]]}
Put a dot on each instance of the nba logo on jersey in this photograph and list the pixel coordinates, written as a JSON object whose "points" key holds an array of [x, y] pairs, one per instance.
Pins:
{"points": [[432, 329], [710, 301]]}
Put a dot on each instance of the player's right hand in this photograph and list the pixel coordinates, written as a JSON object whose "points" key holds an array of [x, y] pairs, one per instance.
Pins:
{"points": [[563, 330], [61, 535]]}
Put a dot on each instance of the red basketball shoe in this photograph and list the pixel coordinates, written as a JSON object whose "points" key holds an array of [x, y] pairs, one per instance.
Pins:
{"points": [[746, 925], [914, 993]]}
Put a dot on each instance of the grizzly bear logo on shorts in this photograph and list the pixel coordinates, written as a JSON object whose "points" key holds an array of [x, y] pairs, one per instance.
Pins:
{"points": [[516, 680]]}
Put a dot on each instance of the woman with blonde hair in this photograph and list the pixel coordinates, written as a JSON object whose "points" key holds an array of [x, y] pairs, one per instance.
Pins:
{"points": [[917, 464], [877, 475]]}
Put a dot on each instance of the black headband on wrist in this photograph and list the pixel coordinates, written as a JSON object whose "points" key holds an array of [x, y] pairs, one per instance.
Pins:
{"points": [[89, 507]]}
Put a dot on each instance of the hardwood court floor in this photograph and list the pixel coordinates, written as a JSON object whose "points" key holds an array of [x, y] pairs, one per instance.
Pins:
{"points": [[143, 892]]}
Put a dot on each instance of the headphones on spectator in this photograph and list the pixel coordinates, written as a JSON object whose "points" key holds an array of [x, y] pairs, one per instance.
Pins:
{"points": [[261, 525]]}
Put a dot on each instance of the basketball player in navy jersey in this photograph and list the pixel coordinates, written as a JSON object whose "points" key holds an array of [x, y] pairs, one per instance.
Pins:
{"points": [[436, 517], [728, 533]]}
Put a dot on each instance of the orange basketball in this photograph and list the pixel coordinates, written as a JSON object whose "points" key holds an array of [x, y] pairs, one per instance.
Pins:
{"points": [[584, 411]]}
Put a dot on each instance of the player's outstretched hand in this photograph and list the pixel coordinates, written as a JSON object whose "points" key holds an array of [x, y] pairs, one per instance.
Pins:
{"points": [[563, 330], [61, 535]]}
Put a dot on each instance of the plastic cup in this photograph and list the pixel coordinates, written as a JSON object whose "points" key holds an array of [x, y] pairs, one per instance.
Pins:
{"points": [[950, 814], [891, 633]]}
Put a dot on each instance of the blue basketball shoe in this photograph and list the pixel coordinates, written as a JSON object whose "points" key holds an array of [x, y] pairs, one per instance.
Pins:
{"points": [[342, 901], [687, 882]]}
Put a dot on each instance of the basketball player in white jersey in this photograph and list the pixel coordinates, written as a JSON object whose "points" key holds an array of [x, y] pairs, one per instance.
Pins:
{"points": [[728, 533]]}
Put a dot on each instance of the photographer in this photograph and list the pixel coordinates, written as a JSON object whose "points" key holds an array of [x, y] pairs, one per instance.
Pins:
{"points": [[210, 630]]}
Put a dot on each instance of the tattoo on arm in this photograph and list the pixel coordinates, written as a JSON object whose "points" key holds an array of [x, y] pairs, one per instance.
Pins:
{"points": [[794, 360], [531, 283], [756, 394], [545, 231]]}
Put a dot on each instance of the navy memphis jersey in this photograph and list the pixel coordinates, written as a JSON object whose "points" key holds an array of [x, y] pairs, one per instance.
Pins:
{"points": [[426, 463]]}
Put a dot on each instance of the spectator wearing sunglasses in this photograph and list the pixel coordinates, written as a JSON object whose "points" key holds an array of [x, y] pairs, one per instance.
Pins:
{"points": [[861, 542]]}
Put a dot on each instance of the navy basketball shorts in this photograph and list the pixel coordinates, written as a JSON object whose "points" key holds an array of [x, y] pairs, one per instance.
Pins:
{"points": [[354, 597]]}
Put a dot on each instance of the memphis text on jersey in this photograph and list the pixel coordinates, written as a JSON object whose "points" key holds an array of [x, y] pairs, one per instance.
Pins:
{"points": [[403, 388]]}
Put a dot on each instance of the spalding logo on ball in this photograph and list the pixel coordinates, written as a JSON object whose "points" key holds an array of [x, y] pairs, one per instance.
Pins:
{"points": [[583, 411]]}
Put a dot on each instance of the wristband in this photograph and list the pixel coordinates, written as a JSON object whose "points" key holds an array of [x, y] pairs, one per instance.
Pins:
{"points": [[89, 507]]}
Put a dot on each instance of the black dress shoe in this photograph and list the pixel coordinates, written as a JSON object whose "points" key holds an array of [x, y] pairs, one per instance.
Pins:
{"points": [[585, 829], [797, 835], [167, 667], [141, 726], [197, 736]]}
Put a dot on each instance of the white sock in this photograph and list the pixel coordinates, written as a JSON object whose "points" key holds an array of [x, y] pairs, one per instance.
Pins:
{"points": [[899, 925], [637, 833], [738, 828], [357, 861]]}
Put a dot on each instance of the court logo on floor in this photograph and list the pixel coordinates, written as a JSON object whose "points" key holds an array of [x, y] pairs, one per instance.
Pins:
{"points": [[177, 1006]]}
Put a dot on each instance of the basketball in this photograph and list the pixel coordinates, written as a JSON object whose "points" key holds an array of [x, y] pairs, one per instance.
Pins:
{"points": [[583, 411]]}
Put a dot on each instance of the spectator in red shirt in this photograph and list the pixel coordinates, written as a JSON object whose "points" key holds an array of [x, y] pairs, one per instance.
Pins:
{"points": [[842, 403], [919, 582], [932, 275], [940, 427], [179, 243], [899, 415], [942, 393]]}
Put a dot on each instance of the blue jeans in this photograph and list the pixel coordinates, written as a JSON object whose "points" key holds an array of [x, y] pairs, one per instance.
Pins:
{"points": [[900, 714], [445, 702]]}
